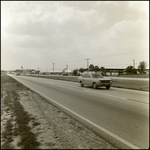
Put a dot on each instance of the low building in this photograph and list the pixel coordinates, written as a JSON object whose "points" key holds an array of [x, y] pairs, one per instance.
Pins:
{"points": [[114, 71], [111, 71], [55, 72], [147, 71], [67, 71]]}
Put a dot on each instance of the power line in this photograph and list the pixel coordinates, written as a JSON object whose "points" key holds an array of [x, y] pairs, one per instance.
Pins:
{"points": [[103, 56], [116, 54], [109, 64]]}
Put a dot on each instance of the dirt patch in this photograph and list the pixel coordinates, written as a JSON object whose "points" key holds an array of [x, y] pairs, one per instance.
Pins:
{"points": [[28, 121]]}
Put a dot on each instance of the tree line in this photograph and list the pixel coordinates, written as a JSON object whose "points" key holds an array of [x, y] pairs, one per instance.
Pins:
{"points": [[141, 68], [129, 70], [91, 68]]}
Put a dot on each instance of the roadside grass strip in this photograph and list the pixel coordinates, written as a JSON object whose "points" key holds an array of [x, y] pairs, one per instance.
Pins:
{"points": [[18, 123]]}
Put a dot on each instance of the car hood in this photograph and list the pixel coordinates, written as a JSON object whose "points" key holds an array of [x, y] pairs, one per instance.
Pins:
{"points": [[104, 78]]}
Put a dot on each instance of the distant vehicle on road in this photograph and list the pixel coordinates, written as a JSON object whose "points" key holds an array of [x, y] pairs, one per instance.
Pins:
{"points": [[95, 80], [17, 74]]}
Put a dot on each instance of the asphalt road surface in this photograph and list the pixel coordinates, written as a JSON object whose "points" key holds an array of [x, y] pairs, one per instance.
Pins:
{"points": [[119, 115]]}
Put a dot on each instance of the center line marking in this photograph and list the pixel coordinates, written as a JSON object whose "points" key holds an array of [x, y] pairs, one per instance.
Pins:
{"points": [[107, 94]]}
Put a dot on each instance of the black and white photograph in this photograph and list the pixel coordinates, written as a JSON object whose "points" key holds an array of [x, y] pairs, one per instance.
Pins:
{"points": [[74, 74]]}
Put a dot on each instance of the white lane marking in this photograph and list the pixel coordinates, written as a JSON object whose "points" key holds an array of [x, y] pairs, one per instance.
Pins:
{"points": [[99, 93], [137, 101], [88, 90], [129, 99], [63, 85], [130, 90], [133, 100], [107, 94], [87, 120]]}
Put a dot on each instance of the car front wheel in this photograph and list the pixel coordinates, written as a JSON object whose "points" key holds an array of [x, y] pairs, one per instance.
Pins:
{"points": [[107, 87], [94, 85], [81, 84]]}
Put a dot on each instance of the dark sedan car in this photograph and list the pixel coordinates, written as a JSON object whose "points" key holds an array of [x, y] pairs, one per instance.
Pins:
{"points": [[95, 80], [17, 74]]}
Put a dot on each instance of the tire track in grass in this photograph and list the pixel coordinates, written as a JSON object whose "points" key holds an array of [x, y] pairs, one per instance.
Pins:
{"points": [[28, 139], [16, 122]]}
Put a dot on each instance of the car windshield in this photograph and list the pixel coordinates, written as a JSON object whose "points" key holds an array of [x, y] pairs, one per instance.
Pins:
{"points": [[96, 75]]}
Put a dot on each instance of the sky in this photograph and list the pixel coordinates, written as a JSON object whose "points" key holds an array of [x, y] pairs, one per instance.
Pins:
{"points": [[46, 34]]}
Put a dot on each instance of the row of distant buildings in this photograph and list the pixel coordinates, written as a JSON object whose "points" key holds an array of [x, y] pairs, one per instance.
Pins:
{"points": [[108, 71]]}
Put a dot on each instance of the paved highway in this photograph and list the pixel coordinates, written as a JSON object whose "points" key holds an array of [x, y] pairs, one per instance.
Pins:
{"points": [[120, 116]]}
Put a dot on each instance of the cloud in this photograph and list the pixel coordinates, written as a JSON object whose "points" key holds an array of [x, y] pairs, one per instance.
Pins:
{"points": [[131, 29], [56, 29], [72, 30]]}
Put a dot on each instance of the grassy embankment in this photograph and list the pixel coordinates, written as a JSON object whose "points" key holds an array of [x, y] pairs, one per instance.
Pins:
{"points": [[17, 123], [135, 76], [132, 84]]}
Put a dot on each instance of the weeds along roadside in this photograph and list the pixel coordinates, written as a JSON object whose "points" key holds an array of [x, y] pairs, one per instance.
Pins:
{"points": [[18, 119]]}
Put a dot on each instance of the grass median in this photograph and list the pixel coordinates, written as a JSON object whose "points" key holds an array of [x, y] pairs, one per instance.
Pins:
{"points": [[131, 84]]}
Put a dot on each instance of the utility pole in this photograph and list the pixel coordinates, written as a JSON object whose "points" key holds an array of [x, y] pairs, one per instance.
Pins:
{"points": [[87, 63], [22, 68], [133, 63], [53, 68], [38, 71], [67, 69]]}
